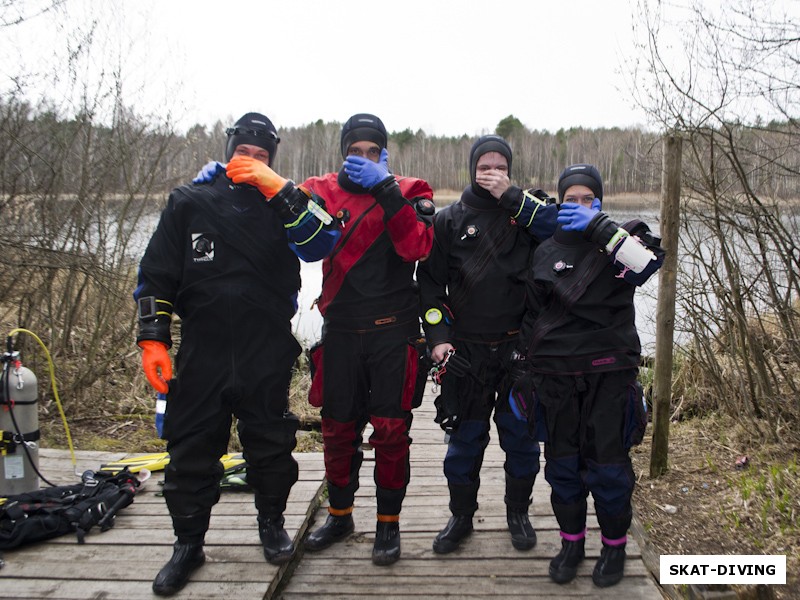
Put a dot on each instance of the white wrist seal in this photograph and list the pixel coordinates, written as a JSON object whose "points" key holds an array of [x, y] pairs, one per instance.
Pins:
{"points": [[633, 254]]}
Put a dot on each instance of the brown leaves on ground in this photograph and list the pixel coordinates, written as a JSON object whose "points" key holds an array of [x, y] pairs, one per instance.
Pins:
{"points": [[705, 504]]}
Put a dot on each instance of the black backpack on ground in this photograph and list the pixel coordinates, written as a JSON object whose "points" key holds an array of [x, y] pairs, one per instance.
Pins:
{"points": [[55, 511]]}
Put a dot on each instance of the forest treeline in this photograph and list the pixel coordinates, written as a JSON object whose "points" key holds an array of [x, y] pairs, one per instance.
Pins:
{"points": [[43, 150]]}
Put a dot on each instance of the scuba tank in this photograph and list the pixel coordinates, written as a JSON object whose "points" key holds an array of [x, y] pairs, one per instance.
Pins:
{"points": [[19, 428]]}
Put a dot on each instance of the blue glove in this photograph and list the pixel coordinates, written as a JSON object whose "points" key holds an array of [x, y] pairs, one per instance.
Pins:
{"points": [[576, 217], [209, 172], [364, 172]]}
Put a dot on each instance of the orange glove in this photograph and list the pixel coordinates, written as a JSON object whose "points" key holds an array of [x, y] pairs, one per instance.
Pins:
{"points": [[245, 169], [155, 358]]}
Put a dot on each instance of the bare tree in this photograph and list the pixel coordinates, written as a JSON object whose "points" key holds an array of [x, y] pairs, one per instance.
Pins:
{"points": [[738, 286], [81, 176]]}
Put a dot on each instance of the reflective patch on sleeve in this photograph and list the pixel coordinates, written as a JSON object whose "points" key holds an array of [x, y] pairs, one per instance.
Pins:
{"points": [[425, 207], [433, 316]]}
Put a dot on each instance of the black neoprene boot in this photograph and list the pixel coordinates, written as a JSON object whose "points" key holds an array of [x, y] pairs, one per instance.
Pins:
{"points": [[278, 546], [523, 537], [186, 558], [610, 566], [518, 499], [564, 567], [450, 538], [335, 529], [387, 543]]}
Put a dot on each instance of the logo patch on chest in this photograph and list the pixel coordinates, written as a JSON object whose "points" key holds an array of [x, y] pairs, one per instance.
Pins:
{"points": [[202, 248]]}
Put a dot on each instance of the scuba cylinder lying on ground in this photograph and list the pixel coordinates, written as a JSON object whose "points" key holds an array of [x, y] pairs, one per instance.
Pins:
{"points": [[19, 428]]}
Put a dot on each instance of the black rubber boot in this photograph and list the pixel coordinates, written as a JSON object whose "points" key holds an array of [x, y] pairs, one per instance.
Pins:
{"points": [[523, 537], [387, 543], [518, 499], [186, 558], [564, 567], [450, 538], [334, 530], [278, 546], [610, 566]]}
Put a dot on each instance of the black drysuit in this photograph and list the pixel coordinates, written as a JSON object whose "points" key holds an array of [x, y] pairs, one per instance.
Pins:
{"points": [[580, 337], [472, 295], [221, 258]]}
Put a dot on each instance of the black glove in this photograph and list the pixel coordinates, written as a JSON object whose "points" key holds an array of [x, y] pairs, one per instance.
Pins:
{"points": [[447, 410], [518, 368], [455, 364]]}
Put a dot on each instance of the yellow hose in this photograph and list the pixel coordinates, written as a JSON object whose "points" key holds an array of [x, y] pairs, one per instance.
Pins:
{"points": [[55, 391]]}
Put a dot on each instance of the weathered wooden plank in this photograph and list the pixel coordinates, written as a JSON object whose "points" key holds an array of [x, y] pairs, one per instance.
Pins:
{"points": [[522, 565], [631, 588], [128, 589], [256, 570]]}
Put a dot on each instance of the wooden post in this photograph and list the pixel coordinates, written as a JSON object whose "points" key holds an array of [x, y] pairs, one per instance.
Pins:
{"points": [[665, 313]]}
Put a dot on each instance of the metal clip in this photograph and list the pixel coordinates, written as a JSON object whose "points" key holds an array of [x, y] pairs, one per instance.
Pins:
{"points": [[18, 373], [438, 370]]}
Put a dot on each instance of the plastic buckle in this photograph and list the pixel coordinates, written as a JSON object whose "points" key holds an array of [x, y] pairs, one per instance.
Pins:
{"points": [[147, 308]]}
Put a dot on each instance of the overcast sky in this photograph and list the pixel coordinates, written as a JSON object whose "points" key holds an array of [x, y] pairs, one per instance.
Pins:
{"points": [[446, 66]]}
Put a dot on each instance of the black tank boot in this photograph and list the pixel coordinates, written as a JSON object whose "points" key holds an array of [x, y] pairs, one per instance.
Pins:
{"points": [[278, 546], [450, 538], [518, 499], [186, 558], [523, 537], [610, 567], [335, 529], [564, 567], [387, 543]]}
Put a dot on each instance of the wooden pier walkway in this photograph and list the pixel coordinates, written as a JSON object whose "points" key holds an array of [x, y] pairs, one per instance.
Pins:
{"points": [[121, 563]]}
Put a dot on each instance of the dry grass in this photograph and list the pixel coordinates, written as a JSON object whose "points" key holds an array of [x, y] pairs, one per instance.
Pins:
{"points": [[704, 504]]}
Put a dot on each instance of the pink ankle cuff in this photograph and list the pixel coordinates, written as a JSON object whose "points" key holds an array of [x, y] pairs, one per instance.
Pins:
{"points": [[617, 542], [573, 537]]}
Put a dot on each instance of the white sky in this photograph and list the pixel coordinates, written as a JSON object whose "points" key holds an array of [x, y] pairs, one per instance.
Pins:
{"points": [[446, 66]]}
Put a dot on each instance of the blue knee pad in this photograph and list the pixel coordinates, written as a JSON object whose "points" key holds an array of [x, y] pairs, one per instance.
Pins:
{"points": [[522, 450], [563, 475], [611, 486], [464, 458]]}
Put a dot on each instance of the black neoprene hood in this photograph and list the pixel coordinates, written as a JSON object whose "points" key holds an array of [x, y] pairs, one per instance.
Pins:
{"points": [[254, 129], [363, 127], [581, 174]]}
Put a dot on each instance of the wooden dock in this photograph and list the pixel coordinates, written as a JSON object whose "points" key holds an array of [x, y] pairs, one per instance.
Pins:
{"points": [[121, 563]]}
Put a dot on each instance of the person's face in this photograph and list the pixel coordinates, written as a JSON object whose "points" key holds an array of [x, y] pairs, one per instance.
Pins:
{"points": [[253, 152], [369, 150], [492, 161], [579, 194]]}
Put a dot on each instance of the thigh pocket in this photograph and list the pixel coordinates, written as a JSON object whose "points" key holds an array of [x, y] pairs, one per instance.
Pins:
{"points": [[524, 402], [417, 366], [635, 415], [315, 363]]}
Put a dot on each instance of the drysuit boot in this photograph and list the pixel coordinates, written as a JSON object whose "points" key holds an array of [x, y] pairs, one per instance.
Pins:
{"points": [[523, 537], [387, 542], [610, 566], [186, 558], [564, 567], [335, 529], [450, 538], [518, 499], [278, 546]]}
